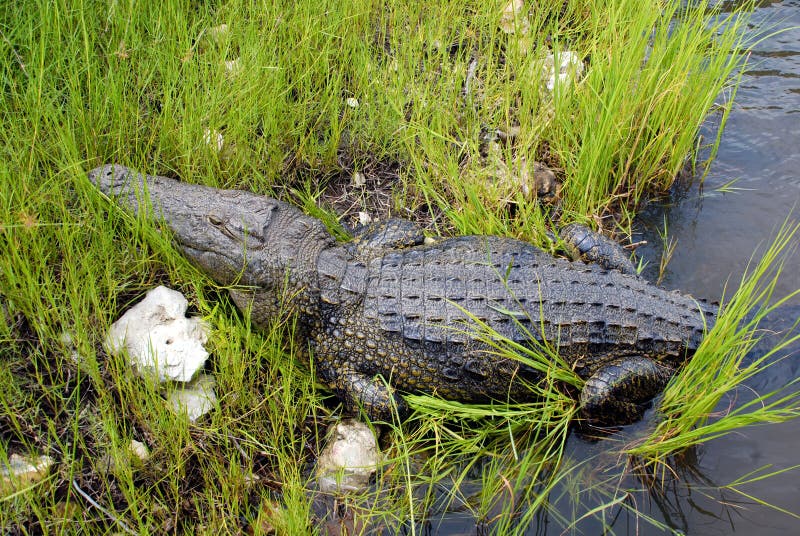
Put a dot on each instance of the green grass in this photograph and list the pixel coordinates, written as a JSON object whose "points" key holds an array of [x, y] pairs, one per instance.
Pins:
{"points": [[145, 83]]}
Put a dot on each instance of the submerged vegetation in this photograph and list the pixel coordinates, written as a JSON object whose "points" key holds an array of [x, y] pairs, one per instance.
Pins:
{"points": [[353, 110]]}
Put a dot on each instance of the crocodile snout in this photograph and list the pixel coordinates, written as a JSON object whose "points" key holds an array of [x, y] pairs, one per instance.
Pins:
{"points": [[111, 178]]}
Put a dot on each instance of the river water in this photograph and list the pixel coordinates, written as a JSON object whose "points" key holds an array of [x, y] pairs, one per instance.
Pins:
{"points": [[717, 230], [716, 235]]}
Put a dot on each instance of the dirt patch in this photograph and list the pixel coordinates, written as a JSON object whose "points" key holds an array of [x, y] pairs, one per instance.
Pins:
{"points": [[365, 187]]}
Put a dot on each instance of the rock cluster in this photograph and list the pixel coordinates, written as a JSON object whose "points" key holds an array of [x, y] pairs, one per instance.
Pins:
{"points": [[160, 341]]}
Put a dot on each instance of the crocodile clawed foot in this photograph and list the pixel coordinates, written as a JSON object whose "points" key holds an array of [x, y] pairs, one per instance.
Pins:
{"points": [[373, 395], [590, 246], [620, 392]]}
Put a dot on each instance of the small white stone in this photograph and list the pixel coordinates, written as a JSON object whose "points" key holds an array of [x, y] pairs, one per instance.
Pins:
{"points": [[232, 68], [218, 33], [349, 458], [359, 180], [22, 471], [194, 399], [66, 339], [139, 449], [159, 339], [352, 102], [214, 139], [514, 20], [364, 218], [570, 68], [131, 458]]}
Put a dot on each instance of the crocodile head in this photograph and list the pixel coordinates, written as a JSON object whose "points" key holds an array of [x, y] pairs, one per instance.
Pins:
{"points": [[236, 237]]}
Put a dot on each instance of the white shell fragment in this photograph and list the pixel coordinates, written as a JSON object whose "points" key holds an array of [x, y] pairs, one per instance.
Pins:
{"points": [[66, 339], [22, 471], [567, 67], [195, 399], [349, 458], [139, 449], [533, 179], [359, 180], [232, 68], [133, 457], [219, 32], [158, 337], [364, 218], [514, 20]]}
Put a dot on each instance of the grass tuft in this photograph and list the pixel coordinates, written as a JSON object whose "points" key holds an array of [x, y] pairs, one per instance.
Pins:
{"points": [[709, 396]]}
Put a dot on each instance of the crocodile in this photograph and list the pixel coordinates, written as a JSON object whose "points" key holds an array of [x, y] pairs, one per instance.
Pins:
{"points": [[386, 313]]}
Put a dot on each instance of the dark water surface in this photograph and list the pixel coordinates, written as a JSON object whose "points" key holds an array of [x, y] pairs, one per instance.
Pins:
{"points": [[717, 233]]}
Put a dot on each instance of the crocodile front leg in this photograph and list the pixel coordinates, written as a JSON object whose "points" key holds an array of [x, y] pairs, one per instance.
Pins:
{"points": [[590, 246], [372, 394], [394, 233], [619, 392], [358, 390]]}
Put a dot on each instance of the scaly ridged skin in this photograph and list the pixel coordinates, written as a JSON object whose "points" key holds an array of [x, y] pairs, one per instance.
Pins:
{"points": [[399, 315], [386, 310]]}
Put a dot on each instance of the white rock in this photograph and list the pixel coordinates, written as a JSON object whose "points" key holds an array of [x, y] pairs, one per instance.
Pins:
{"points": [[364, 218], [232, 68], [66, 339], [22, 471], [359, 180], [349, 458], [218, 33], [196, 398], [570, 68], [133, 457], [139, 449], [158, 337]]}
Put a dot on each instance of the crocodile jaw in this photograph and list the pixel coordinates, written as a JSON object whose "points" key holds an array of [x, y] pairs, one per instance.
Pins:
{"points": [[222, 232]]}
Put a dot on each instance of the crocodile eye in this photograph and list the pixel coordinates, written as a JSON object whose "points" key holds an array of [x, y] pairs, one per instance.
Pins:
{"points": [[213, 220]]}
